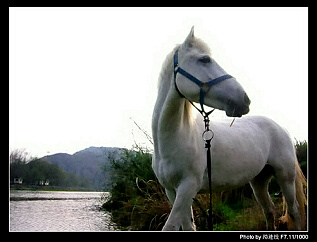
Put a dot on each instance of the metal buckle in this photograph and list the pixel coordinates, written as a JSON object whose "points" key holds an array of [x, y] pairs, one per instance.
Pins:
{"points": [[208, 135]]}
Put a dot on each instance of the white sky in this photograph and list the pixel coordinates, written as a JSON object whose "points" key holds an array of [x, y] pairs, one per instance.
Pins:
{"points": [[77, 75]]}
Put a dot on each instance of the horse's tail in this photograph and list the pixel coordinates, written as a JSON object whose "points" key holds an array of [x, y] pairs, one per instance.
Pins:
{"points": [[301, 197]]}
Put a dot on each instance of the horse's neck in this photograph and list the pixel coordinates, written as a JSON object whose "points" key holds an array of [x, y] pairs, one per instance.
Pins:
{"points": [[172, 120]]}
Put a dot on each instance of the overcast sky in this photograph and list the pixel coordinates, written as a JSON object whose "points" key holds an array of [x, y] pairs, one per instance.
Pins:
{"points": [[78, 75]]}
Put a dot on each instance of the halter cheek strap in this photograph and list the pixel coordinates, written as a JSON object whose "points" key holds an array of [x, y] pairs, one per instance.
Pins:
{"points": [[204, 86]]}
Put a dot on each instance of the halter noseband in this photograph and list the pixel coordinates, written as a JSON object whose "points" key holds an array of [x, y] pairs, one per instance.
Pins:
{"points": [[204, 86]]}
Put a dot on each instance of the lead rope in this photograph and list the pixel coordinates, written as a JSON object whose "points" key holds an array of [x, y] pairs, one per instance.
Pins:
{"points": [[208, 135]]}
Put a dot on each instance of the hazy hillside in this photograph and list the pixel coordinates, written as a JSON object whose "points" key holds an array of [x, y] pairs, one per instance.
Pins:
{"points": [[86, 163]]}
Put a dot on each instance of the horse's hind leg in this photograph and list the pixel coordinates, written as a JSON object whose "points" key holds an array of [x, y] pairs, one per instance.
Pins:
{"points": [[287, 185], [260, 189]]}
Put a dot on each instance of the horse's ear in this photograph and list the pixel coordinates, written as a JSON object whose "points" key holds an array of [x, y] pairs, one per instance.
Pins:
{"points": [[188, 41]]}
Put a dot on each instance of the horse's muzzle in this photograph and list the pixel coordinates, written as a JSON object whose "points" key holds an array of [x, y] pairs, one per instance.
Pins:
{"points": [[237, 110]]}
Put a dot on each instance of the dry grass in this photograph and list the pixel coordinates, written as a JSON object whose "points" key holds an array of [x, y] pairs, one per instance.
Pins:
{"points": [[150, 212]]}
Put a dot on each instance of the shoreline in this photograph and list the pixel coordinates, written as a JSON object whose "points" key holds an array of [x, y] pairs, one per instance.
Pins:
{"points": [[49, 188]]}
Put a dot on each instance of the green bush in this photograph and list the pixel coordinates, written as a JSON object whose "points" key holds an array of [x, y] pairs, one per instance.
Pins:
{"points": [[301, 152], [137, 199]]}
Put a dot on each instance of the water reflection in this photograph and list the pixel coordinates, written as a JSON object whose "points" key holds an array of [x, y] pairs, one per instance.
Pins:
{"points": [[58, 211]]}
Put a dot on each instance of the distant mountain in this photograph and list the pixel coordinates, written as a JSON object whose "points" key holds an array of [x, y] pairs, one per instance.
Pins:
{"points": [[87, 163]]}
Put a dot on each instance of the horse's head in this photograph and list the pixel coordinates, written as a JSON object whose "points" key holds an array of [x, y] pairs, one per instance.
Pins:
{"points": [[226, 93]]}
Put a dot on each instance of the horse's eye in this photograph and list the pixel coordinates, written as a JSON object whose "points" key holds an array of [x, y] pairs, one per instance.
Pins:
{"points": [[205, 59]]}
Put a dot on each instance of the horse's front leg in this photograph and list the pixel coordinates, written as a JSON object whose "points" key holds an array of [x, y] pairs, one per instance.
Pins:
{"points": [[181, 215]]}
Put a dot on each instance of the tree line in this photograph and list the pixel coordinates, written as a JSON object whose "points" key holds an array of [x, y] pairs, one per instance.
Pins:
{"points": [[33, 170]]}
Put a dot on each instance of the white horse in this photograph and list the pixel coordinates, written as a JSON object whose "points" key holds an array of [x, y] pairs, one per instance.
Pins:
{"points": [[252, 150]]}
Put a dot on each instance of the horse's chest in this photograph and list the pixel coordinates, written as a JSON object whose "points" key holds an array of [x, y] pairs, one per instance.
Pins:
{"points": [[169, 174], [172, 170]]}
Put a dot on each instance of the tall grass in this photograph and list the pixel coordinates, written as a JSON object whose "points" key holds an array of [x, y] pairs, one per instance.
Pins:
{"points": [[138, 201]]}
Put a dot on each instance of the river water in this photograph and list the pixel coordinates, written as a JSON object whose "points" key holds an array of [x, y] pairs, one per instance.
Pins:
{"points": [[58, 211]]}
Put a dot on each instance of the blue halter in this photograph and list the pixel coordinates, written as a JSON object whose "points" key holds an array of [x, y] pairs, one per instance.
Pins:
{"points": [[204, 86]]}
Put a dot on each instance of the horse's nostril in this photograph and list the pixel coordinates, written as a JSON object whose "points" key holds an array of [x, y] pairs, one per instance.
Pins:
{"points": [[246, 99], [230, 103]]}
